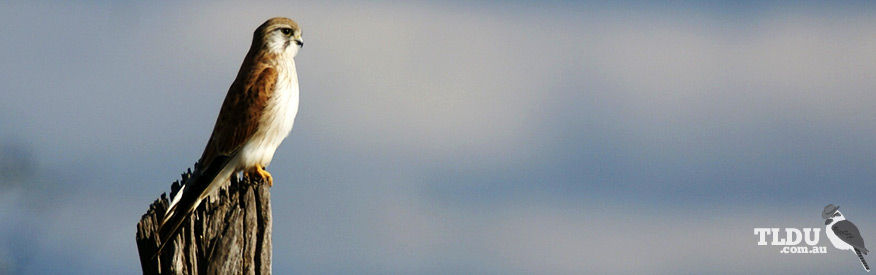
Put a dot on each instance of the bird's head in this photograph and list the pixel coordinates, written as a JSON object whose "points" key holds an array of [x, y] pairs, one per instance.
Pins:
{"points": [[280, 36], [834, 218]]}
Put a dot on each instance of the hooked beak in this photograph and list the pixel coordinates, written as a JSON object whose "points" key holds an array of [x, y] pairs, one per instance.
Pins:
{"points": [[300, 42]]}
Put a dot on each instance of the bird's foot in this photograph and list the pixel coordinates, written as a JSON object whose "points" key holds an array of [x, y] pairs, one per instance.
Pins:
{"points": [[263, 174]]}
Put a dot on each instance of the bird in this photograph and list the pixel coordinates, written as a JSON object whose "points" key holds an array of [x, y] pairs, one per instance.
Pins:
{"points": [[843, 234], [256, 116]]}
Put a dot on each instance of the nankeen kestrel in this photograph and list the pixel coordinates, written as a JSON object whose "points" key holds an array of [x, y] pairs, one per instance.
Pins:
{"points": [[257, 114]]}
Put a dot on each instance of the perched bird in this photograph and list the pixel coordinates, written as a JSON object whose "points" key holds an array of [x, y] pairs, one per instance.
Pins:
{"points": [[843, 234], [257, 114]]}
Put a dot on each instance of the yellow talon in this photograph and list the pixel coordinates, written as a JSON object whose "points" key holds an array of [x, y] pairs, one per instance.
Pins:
{"points": [[263, 174]]}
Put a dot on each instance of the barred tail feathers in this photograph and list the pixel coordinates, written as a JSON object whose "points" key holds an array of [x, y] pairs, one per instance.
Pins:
{"points": [[863, 262]]}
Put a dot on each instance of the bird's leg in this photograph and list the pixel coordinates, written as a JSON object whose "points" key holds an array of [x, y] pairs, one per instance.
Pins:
{"points": [[260, 171]]}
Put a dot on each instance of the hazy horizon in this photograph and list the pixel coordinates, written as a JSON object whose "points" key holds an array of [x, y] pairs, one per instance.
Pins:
{"points": [[439, 137]]}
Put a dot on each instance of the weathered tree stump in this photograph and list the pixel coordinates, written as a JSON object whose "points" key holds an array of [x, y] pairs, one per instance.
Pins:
{"points": [[229, 233]]}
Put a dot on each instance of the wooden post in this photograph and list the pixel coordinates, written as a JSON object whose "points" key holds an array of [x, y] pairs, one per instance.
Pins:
{"points": [[229, 233]]}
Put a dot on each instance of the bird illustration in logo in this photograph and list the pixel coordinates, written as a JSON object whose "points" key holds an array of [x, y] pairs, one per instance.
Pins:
{"points": [[843, 234]]}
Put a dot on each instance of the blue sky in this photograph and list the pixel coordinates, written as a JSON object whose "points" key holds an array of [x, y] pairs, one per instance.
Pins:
{"points": [[446, 137]]}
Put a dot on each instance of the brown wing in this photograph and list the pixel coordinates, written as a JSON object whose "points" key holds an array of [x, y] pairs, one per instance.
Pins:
{"points": [[238, 119]]}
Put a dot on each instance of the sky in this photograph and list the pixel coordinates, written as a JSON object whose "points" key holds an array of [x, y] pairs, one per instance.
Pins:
{"points": [[440, 137]]}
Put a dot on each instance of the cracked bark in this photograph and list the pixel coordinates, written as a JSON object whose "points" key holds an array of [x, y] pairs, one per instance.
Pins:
{"points": [[229, 233]]}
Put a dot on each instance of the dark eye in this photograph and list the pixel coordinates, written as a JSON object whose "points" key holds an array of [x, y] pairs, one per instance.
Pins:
{"points": [[286, 31]]}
